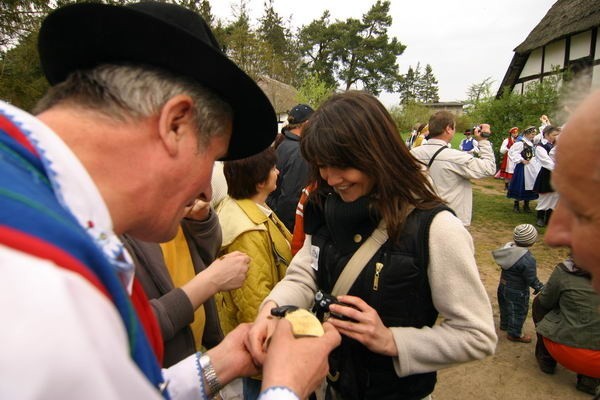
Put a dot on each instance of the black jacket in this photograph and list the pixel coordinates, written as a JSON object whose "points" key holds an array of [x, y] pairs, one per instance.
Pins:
{"points": [[293, 177], [402, 296]]}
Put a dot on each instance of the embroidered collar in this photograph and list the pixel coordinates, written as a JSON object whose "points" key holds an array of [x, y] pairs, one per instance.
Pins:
{"points": [[74, 189]]}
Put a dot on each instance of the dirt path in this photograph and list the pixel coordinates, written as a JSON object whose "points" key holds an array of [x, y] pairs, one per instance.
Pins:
{"points": [[512, 373]]}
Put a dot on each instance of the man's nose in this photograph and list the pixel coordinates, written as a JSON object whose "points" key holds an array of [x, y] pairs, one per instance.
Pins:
{"points": [[559, 228], [206, 194]]}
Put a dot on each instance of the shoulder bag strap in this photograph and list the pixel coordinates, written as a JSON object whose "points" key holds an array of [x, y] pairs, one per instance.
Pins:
{"points": [[360, 259], [435, 155]]}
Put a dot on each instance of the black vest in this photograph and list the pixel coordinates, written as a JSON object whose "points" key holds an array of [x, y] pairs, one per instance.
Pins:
{"points": [[402, 296]]}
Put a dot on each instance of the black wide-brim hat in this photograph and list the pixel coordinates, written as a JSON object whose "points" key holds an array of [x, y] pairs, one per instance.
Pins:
{"points": [[85, 35]]}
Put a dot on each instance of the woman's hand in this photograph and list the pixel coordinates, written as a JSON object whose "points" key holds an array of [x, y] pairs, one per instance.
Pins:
{"points": [[226, 273], [368, 328], [261, 331]]}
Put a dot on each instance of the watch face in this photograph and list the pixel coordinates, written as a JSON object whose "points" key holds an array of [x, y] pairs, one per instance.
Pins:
{"points": [[204, 361]]}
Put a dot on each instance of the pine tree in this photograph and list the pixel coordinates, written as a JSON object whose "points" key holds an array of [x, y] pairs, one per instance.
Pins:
{"points": [[428, 90]]}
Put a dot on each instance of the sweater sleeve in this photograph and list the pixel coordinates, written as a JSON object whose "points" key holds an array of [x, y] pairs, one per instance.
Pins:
{"points": [[466, 331], [205, 237], [468, 166]]}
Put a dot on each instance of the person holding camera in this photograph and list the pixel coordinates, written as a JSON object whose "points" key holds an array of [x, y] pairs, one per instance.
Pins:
{"points": [[451, 169], [372, 223]]}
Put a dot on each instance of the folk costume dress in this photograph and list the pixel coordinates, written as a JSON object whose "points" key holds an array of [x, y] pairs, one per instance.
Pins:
{"points": [[521, 184], [507, 167]]}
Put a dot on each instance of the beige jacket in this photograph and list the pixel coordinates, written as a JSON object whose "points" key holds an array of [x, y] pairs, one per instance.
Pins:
{"points": [[451, 171]]}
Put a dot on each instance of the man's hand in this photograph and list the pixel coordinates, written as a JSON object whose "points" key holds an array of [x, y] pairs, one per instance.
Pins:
{"points": [[299, 364], [199, 211], [231, 358], [482, 133]]}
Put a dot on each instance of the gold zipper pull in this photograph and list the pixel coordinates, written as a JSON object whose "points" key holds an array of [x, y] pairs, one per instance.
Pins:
{"points": [[378, 268]]}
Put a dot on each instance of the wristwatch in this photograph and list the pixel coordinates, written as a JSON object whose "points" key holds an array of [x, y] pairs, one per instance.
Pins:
{"points": [[210, 376]]}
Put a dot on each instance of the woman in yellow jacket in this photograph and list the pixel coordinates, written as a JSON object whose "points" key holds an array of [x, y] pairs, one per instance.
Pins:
{"points": [[251, 227]]}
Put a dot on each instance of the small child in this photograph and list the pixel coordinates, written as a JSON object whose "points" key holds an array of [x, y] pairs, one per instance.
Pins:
{"points": [[519, 272]]}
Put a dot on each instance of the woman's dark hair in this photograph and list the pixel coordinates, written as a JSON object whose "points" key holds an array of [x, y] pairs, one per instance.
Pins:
{"points": [[244, 175], [354, 130], [549, 129]]}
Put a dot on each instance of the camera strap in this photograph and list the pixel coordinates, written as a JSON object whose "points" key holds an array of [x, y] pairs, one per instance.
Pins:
{"points": [[359, 260], [435, 155]]}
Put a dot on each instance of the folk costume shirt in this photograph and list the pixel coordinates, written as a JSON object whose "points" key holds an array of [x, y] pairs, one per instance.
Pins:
{"points": [[70, 330]]}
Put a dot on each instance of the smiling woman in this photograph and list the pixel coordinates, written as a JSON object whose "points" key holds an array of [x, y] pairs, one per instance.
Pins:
{"points": [[366, 178]]}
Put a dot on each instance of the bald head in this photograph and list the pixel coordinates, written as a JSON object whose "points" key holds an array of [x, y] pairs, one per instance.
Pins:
{"points": [[576, 220]]}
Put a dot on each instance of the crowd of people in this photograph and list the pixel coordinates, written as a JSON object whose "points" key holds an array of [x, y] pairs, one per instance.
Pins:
{"points": [[123, 277]]}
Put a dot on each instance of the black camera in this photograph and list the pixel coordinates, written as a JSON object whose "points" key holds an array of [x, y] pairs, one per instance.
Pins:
{"points": [[323, 301], [483, 134]]}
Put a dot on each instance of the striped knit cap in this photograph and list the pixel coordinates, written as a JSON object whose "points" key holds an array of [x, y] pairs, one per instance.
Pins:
{"points": [[525, 235]]}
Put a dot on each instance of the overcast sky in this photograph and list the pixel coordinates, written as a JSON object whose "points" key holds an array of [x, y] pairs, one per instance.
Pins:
{"points": [[464, 41]]}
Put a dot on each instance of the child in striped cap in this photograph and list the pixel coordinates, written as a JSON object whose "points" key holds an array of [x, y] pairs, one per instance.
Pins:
{"points": [[519, 273]]}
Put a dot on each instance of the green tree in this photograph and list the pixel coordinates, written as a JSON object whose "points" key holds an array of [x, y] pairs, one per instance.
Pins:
{"points": [[428, 90], [280, 57], [241, 43], [410, 114], [364, 52], [19, 19], [480, 91], [314, 91], [513, 109], [409, 85], [354, 52], [316, 44], [22, 82]]}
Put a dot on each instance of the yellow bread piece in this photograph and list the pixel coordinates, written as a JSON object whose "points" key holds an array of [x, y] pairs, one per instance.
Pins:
{"points": [[304, 323]]}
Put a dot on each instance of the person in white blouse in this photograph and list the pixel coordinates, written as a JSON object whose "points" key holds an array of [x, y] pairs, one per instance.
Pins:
{"points": [[526, 170], [507, 167], [544, 152]]}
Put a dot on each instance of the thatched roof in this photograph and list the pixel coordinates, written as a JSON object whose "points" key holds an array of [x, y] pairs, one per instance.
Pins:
{"points": [[282, 96], [566, 17]]}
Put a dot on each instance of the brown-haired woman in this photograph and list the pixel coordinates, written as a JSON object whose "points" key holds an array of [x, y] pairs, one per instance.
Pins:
{"points": [[365, 175], [251, 227]]}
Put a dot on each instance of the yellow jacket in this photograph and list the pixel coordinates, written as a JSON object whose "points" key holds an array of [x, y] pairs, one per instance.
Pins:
{"points": [[266, 240]]}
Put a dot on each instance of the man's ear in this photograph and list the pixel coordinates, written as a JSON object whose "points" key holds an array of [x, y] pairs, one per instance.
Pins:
{"points": [[176, 120]]}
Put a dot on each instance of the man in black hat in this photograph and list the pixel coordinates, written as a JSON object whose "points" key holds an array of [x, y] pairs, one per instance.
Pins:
{"points": [[143, 102], [293, 169]]}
